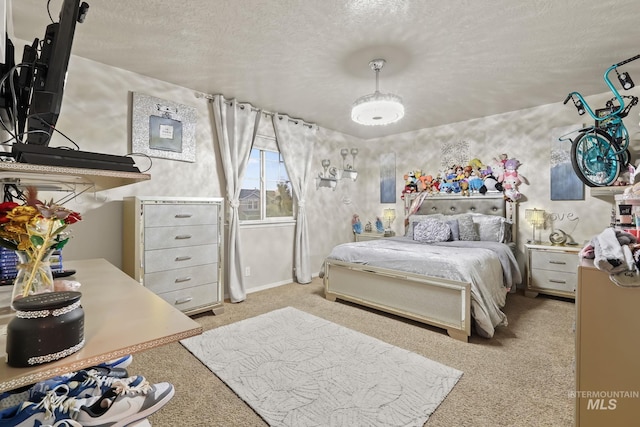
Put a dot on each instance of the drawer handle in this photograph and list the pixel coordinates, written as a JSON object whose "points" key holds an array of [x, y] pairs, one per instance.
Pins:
{"points": [[557, 262], [183, 258], [557, 281], [182, 279], [183, 236], [183, 215], [183, 300]]}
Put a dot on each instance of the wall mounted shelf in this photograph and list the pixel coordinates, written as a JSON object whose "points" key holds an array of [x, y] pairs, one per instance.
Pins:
{"points": [[58, 178], [607, 192]]}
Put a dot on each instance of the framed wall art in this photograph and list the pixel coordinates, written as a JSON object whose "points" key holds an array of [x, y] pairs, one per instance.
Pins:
{"points": [[565, 184], [164, 129], [388, 178]]}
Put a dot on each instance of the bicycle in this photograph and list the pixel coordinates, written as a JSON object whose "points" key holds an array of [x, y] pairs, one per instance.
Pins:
{"points": [[599, 152]]}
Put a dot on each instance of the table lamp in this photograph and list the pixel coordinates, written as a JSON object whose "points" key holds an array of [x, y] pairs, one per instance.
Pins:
{"points": [[535, 217]]}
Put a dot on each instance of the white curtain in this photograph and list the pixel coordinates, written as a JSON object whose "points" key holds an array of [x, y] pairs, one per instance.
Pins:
{"points": [[236, 125], [296, 140]]}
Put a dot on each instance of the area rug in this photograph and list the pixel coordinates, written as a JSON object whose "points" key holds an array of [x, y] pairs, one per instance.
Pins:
{"points": [[296, 369]]}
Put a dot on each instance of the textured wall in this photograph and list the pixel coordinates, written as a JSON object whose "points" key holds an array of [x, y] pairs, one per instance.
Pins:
{"points": [[96, 114]]}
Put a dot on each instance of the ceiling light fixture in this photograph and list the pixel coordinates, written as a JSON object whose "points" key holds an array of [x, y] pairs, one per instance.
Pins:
{"points": [[377, 108]]}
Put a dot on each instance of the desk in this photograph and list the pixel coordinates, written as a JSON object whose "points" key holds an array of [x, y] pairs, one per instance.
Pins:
{"points": [[121, 317]]}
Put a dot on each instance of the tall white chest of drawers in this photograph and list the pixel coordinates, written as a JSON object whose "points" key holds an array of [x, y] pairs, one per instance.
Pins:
{"points": [[174, 247]]}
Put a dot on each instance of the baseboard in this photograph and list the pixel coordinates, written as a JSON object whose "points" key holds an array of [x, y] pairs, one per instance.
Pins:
{"points": [[271, 285]]}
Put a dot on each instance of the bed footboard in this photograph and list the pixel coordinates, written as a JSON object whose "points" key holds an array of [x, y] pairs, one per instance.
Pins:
{"points": [[434, 301]]}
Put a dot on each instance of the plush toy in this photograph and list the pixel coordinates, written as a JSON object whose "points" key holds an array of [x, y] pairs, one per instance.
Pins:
{"points": [[379, 225], [511, 179], [464, 188], [410, 184], [476, 164], [356, 224], [475, 182], [490, 182]]}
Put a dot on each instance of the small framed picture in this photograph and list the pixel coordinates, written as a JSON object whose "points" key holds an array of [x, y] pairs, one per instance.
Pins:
{"points": [[163, 129]]}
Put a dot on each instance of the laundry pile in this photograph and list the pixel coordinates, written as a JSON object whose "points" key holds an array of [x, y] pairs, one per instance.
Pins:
{"points": [[616, 252]]}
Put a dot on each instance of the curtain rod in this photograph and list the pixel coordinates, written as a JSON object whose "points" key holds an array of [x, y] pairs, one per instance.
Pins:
{"points": [[265, 112]]}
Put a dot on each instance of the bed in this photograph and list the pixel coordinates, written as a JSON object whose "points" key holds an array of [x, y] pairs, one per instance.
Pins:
{"points": [[454, 284]]}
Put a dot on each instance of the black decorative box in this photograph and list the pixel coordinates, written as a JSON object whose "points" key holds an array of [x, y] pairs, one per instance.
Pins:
{"points": [[46, 327]]}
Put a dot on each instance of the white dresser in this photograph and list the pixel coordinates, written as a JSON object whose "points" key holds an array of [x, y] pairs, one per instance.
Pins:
{"points": [[174, 247]]}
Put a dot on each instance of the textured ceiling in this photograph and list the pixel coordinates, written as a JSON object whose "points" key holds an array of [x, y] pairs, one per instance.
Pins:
{"points": [[449, 60]]}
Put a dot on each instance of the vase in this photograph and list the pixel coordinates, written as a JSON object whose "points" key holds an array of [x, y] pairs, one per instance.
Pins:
{"points": [[34, 275]]}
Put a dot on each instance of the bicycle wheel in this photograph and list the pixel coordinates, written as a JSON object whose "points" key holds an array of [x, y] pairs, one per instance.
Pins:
{"points": [[594, 160]]}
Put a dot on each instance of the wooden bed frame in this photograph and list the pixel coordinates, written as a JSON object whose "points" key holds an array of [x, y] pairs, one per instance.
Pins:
{"points": [[431, 300]]}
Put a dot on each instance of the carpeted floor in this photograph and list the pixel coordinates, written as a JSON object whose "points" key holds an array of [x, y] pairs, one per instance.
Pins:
{"points": [[521, 377]]}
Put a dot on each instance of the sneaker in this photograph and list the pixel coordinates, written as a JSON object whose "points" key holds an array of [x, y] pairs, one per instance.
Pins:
{"points": [[55, 409], [122, 362], [82, 384], [123, 405], [11, 398]]}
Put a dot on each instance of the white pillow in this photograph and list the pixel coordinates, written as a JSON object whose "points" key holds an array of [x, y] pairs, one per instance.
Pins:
{"points": [[492, 228]]}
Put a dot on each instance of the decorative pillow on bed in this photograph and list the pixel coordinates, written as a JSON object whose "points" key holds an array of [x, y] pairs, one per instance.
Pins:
{"points": [[492, 228], [455, 229], [431, 230], [414, 219], [466, 227]]}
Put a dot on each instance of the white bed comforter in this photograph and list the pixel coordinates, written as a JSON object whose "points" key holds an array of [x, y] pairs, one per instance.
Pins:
{"points": [[490, 267]]}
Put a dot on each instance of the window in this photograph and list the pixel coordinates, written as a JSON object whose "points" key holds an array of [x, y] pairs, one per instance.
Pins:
{"points": [[266, 189]]}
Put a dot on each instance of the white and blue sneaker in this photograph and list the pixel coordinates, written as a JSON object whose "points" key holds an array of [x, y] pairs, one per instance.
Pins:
{"points": [[55, 409], [121, 362], [123, 405], [15, 397], [81, 384]]}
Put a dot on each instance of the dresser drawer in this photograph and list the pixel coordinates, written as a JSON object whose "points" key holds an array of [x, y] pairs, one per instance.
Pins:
{"points": [[174, 258], [177, 237], [554, 280], [554, 261], [171, 215], [172, 280], [190, 298]]}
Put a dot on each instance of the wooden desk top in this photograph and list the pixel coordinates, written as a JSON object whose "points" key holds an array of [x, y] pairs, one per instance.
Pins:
{"points": [[121, 317]]}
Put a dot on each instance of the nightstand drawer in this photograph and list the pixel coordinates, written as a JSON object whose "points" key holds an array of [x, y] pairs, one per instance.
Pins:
{"points": [[554, 280], [554, 261]]}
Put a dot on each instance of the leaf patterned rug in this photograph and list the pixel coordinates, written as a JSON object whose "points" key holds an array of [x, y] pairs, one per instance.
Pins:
{"points": [[296, 369]]}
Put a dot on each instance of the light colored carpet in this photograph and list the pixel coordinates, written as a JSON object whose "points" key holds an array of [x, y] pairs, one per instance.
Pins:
{"points": [[296, 369]]}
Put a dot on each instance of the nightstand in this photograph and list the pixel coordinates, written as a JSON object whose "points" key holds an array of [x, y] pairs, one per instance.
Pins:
{"points": [[551, 270], [368, 235]]}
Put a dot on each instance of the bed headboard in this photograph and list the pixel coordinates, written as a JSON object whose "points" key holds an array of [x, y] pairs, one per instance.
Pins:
{"points": [[488, 204]]}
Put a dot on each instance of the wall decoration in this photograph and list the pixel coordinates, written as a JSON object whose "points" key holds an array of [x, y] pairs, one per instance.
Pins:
{"points": [[454, 153], [565, 184], [388, 178], [164, 129]]}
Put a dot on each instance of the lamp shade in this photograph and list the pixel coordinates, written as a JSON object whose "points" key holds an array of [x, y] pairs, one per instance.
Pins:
{"points": [[535, 217], [389, 214], [377, 109]]}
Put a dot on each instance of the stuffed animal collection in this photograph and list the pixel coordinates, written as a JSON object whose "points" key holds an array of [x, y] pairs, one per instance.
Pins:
{"points": [[476, 177]]}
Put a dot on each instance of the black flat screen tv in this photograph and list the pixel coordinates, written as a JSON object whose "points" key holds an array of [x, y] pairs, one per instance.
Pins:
{"points": [[36, 99]]}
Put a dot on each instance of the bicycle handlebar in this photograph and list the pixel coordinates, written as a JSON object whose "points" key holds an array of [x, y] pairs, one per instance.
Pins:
{"points": [[627, 61], [568, 98]]}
